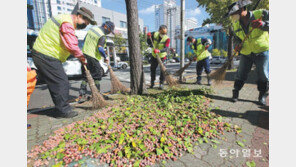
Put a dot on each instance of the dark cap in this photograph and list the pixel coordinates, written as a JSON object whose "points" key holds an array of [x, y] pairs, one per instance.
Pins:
{"points": [[110, 25], [236, 6], [88, 14]]}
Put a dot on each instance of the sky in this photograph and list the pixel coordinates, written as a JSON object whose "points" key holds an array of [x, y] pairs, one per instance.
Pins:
{"points": [[146, 10]]}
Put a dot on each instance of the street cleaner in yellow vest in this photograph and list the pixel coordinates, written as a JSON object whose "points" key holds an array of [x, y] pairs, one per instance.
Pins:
{"points": [[255, 50], [200, 48], [161, 43], [93, 50], [55, 42]]}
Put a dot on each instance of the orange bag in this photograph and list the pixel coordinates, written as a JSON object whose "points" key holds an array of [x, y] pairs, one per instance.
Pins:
{"points": [[31, 82]]}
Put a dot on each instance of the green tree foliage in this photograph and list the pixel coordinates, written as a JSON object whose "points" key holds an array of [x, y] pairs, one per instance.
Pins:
{"points": [[119, 41], [224, 53], [216, 52]]}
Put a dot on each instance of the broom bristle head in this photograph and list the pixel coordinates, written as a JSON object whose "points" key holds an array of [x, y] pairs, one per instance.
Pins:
{"points": [[116, 85], [219, 74], [171, 81], [98, 101]]}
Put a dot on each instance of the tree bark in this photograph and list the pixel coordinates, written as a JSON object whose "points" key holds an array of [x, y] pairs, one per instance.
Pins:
{"points": [[230, 47], [136, 70]]}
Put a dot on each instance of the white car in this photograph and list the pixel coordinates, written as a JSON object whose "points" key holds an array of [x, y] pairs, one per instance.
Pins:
{"points": [[72, 67], [172, 61], [122, 65]]}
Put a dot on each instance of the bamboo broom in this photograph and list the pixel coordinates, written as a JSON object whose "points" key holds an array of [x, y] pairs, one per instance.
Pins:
{"points": [[219, 74], [97, 99], [169, 79], [116, 85]]}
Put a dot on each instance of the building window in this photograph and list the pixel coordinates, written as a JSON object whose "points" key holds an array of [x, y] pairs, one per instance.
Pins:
{"points": [[104, 19], [58, 2], [59, 8], [70, 4], [69, 10], [122, 24]]}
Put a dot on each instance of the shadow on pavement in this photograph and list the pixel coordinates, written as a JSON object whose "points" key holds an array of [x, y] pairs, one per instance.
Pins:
{"points": [[255, 117], [50, 112], [215, 97]]}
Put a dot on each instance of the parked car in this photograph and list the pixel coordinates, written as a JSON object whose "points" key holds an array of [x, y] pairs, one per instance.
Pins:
{"points": [[122, 65], [217, 60], [172, 61], [236, 62], [72, 67], [177, 59]]}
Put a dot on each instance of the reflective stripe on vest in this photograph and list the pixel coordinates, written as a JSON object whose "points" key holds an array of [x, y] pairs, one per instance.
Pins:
{"points": [[258, 40], [159, 45], [200, 51], [90, 46], [49, 42]]}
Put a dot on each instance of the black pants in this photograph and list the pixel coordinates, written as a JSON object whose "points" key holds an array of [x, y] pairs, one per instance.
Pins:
{"points": [[94, 67], [153, 67], [52, 71]]}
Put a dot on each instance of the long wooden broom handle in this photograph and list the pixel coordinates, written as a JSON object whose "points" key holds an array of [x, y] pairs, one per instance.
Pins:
{"points": [[85, 67]]}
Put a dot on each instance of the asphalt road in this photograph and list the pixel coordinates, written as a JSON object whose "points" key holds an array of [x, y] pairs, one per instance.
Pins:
{"points": [[41, 97]]}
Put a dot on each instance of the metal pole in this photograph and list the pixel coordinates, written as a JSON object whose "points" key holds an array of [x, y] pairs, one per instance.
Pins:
{"points": [[182, 54]]}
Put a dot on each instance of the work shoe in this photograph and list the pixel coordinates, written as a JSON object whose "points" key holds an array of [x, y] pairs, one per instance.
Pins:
{"points": [[198, 80], [160, 87], [152, 85], [70, 114], [235, 95], [262, 98]]}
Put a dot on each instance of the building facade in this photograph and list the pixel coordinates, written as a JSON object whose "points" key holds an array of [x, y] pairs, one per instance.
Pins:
{"points": [[190, 24], [30, 15], [40, 13], [168, 14], [45, 9], [66, 6], [102, 15]]}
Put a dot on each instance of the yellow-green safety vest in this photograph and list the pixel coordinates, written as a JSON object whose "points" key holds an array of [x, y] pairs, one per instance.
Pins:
{"points": [[258, 40], [90, 46], [159, 45], [49, 41], [200, 50]]}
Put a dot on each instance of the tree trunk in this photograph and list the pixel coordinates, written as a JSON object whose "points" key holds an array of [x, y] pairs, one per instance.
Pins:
{"points": [[136, 70], [230, 47]]}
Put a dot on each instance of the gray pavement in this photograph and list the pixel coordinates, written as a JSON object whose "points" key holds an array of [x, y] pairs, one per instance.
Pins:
{"points": [[41, 98]]}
